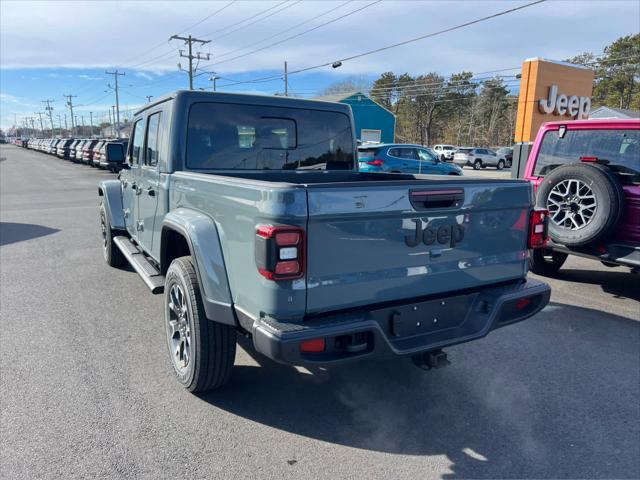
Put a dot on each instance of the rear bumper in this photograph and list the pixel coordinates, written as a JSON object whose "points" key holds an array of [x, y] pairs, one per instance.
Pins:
{"points": [[461, 162], [623, 255], [401, 329]]}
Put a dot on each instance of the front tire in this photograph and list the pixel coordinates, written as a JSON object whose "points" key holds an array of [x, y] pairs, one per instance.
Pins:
{"points": [[477, 165], [110, 251], [202, 351], [546, 262], [500, 164]]}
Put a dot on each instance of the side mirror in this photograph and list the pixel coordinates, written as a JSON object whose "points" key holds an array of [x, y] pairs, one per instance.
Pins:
{"points": [[114, 153]]}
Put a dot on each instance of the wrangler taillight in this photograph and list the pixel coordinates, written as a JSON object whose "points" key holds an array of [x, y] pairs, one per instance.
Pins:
{"points": [[280, 252], [538, 228]]}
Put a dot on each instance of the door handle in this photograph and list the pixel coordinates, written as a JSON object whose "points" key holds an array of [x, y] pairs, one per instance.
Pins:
{"points": [[133, 185], [151, 192]]}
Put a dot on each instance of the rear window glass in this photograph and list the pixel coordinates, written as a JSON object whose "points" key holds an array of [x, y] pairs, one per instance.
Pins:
{"points": [[367, 153], [252, 137], [619, 149]]}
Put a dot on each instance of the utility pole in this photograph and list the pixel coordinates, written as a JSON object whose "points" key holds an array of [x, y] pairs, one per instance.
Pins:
{"points": [[82, 118], [41, 124], [149, 97], [189, 41], [60, 125], [116, 130], [91, 120], [116, 74], [65, 122], [286, 80], [49, 109], [70, 105]]}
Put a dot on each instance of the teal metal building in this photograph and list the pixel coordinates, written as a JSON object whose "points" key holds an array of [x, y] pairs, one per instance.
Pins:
{"points": [[373, 122]]}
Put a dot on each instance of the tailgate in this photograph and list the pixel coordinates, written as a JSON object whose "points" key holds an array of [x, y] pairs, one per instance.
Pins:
{"points": [[373, 243]]}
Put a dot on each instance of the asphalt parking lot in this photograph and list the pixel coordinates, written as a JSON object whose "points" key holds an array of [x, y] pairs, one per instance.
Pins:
{"points": [[87, 389]]}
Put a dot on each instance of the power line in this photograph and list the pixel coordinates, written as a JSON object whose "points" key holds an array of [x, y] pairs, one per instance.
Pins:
{"points": [[298, 34], [405, 42], [286, 30], [245, 20], [289, 5], [179, 33]]}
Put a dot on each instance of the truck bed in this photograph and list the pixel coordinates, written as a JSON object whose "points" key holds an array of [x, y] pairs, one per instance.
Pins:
{"points": [[326, 178]]}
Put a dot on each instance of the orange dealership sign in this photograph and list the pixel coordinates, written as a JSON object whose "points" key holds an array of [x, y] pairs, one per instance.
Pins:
{"points": [[551, 91]]}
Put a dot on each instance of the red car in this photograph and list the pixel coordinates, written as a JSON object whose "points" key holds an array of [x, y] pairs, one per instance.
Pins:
{"points": [[587, 174]]}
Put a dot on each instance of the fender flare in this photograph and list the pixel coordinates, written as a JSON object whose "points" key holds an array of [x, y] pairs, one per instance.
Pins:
{"points": [[201, 234], [111, 192]]}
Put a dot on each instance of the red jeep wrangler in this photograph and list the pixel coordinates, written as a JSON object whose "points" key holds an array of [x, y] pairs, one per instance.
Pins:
{"points": [[587, 174]]}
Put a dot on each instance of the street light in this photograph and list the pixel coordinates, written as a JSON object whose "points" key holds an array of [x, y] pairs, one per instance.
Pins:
{"points": [[213, 79]]}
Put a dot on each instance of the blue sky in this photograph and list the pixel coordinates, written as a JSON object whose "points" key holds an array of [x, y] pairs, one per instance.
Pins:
{"points": [[39, 60]]}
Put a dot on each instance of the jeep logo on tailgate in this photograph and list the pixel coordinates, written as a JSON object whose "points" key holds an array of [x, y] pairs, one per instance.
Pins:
{"points": [[444, 235]]}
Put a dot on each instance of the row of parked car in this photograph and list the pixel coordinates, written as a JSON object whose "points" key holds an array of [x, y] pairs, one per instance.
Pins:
{"points": [[90, 151], [476, 157]]}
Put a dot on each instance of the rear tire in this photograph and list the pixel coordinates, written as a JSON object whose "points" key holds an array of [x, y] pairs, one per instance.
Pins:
{"points": [[201, 351], [477, 165], [585, 203], [110, 251], [546, 262]]}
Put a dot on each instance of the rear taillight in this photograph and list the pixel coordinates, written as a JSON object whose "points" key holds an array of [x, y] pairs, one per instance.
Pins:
{"points": [[376, 162], [538, 228], [317, 345], [280, 252], [589, 159]]}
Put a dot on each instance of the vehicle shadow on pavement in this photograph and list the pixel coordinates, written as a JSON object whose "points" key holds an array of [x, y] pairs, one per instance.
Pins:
{"points": [[552, 397], [620, 284], [18, 232]]}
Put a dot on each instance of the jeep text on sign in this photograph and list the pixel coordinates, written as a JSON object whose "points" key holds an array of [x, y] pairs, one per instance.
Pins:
{"points": [[561, 104], [549, 90]]}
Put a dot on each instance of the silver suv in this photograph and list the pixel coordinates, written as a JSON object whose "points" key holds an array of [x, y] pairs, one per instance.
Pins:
{"points": [[478, 158]]}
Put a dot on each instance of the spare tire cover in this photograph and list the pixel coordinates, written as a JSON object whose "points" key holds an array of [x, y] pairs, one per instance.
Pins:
{"points": [[585, 203]]}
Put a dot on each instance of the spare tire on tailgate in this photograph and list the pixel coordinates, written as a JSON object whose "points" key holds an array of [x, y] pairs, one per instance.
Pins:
{"points": [[585, 203]]}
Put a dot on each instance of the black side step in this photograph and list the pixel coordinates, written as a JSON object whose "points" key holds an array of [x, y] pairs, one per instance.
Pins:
{"points": [[149, 273]]}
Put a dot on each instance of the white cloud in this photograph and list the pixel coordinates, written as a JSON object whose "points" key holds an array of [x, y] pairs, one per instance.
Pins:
{"points": [[144, 75], [89, 77]]}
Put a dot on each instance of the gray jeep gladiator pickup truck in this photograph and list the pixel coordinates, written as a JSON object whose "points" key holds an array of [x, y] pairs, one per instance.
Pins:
{"points": [[250, 214]]}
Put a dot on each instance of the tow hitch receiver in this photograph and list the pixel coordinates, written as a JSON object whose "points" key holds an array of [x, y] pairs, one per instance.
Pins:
{"points": [[429, 360]]}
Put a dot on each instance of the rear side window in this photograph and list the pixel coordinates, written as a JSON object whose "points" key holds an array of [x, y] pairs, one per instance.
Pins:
{"points": [[137, 143], [619, 149], [409, 153], [465, 150], [153, 140], [253, 137]]}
